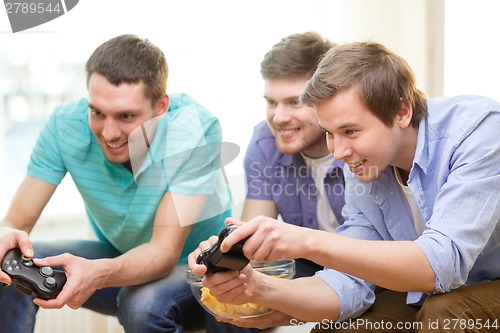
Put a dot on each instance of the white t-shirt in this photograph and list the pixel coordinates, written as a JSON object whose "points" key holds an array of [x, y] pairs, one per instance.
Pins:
{"points": [[418, 221], [319, 166]]}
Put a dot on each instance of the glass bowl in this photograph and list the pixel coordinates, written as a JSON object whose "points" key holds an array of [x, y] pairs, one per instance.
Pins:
{"points": [[284, 269]]}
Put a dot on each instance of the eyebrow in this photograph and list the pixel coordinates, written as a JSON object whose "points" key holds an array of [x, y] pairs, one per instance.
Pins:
{"points": [[347, 125], [343, 126], [291, 98], [119, 113]]}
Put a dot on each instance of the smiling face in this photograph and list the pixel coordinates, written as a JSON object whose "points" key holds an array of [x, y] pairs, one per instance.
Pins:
{"points": [[356, 136], [293, 124], [115, 111]]}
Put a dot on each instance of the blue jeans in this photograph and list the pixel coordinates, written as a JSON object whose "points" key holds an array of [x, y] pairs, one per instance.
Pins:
{"points": [[302, 268], [165, 305]]}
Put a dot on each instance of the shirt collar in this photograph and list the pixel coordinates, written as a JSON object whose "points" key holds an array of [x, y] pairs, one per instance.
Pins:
{"points": [[421, 157]]}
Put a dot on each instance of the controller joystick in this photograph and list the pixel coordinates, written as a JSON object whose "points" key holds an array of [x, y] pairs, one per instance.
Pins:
{"points": [[28, 262], [217, 261], [42, 282]]}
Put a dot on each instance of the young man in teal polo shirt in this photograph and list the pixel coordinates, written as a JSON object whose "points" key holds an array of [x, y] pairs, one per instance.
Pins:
{"points": [[147, 167]]}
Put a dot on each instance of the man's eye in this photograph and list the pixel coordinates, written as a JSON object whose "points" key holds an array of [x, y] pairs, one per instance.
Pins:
{"points": [[126, 116], [350, 132], [94, 112]]}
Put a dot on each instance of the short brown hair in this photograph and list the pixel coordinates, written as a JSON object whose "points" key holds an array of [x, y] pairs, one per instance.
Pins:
{"points": [[130, 59], [294, 56], [383, 79]]}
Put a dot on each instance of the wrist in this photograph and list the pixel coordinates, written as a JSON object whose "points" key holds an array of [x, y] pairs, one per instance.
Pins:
{"points": [[309, 245], [107, 272], [260, 287]]}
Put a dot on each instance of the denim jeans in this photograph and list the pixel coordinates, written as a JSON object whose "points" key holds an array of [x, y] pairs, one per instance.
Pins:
{"points": [[165, 305]]}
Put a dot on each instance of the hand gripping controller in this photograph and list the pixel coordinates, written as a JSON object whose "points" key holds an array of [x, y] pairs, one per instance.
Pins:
{"points": [[42, 282], [216, 261]]}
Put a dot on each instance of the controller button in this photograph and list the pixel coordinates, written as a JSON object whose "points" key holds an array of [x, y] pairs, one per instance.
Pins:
{"points": [[17, 267], [10, 268], [50, 282], [46, 271], [14, 262]]}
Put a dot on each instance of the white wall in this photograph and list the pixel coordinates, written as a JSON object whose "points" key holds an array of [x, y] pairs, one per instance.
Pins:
{"points": [[411, 28], [472, 48]]}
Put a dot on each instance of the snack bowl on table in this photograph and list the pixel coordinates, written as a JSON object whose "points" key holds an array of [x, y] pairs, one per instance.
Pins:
{"points": [[284, 269]]}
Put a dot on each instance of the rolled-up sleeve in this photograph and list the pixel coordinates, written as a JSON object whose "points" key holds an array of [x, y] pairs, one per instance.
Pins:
{"points": [[356, 295]]}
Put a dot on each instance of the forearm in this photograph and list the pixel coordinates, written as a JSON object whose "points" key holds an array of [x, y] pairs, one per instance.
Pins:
{"points": [[139, 265], [307, 299], [5, 223], [28, 203], [19, 218], [254, 207], [395, 265], [16, 224], [157, 258]]}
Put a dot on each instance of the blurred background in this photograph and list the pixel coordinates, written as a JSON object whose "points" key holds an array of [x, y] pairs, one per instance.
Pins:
{"points": [[214, 48]]}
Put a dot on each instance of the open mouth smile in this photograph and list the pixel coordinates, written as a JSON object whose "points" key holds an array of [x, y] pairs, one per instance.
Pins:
{"points": [[115, 147], [287, 133], [357, 164]]}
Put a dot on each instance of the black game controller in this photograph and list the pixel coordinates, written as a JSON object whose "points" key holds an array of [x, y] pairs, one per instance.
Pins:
{"points": [[216, 261], [42, 282]]}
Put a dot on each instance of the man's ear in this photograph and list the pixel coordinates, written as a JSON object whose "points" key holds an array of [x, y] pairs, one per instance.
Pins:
{"points": [[162, 106], [405, 113]]}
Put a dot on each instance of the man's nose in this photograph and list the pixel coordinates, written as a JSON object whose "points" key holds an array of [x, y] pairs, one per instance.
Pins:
{"points": [[281, 114], [111, 130], [339, 148]]}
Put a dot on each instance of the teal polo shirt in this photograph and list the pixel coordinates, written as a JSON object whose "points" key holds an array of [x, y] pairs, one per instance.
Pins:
{"points": [[181, 156]]}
